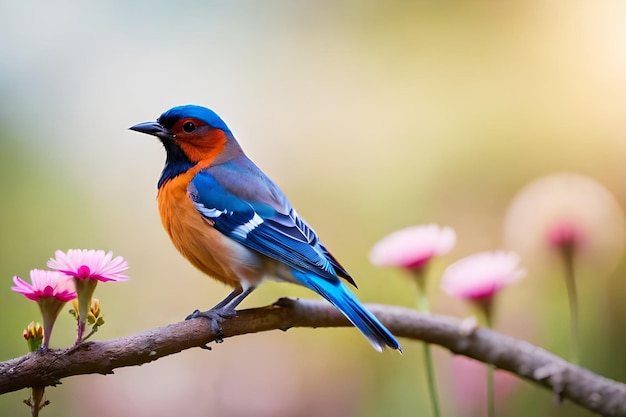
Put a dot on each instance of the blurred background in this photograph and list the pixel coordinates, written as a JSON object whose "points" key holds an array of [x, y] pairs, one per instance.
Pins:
{"points": [[371, 116]]}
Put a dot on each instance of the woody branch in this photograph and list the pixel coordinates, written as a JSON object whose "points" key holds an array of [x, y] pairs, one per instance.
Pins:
{"points": [[567, 381]]}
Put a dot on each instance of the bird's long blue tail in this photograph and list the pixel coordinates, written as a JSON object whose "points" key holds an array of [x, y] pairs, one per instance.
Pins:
{"points": [[338, 294]]}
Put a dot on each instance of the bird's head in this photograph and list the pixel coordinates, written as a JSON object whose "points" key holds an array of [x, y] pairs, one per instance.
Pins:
{"points": [[191, 135]]}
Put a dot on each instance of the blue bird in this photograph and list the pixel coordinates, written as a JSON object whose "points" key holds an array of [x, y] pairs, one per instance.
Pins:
{"points": [[234, 224]]}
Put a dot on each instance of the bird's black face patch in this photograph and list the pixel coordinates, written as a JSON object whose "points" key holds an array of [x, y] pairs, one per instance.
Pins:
{"points": [[167, 122]]}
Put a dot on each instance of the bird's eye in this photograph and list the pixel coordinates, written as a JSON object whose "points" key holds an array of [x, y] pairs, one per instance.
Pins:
{"points": [[189, 127]]}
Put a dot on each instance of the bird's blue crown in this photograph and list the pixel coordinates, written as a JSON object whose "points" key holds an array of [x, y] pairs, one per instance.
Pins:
{"points": [[174, 114]]}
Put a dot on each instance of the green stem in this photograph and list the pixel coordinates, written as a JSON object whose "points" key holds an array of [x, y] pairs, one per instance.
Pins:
{"points": [[491, 403], [37, 400], [485, 311], [93, 331], [50, 308], [84, 290], [422, 304], [432, 383], [570, 281]]}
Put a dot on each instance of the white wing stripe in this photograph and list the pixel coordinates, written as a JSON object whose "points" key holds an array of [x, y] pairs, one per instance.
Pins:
{"points": [[247, 227], [211, 213]]}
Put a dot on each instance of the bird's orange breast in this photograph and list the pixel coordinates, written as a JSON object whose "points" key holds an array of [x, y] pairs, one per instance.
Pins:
{"points": [[193, 235]]}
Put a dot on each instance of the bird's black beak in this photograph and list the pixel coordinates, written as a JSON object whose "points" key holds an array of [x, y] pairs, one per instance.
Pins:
{"points": [[152, 128]]}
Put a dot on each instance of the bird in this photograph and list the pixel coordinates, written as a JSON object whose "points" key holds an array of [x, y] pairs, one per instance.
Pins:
{"points": [[233, 223]]}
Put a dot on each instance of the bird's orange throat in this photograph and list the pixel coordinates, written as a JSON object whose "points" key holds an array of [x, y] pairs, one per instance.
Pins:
{"points": [[203, 149]]}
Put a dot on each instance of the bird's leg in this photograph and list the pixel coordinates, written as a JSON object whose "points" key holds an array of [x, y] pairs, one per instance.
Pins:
{"points": [[223, 309], [230, 297]]}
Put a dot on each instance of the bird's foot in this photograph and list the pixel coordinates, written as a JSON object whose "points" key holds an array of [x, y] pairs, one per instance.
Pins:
{"points": [[217, 316], [213, 314]]}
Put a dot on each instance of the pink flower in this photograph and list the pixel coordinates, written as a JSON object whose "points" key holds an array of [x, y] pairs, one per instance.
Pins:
{"points": [[573, 219], [413, 247], [51, 284], [87, 267], [51, 290], [90, 264], [481, 275], [567, 211], [565, 234]]}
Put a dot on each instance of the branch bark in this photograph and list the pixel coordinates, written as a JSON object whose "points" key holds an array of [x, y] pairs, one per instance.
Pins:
{"points": [[567, 381]]}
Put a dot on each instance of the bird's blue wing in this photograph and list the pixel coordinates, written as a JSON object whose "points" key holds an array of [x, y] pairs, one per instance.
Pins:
{"points": [[249, 217], [280, 235]]}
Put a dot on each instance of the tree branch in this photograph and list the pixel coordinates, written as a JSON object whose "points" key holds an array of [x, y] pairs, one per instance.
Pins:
{"points": [[532, 363]]}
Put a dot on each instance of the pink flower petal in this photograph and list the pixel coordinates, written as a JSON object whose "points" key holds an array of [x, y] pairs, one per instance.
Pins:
{"points": [[90, 264], [45, 284], [481, 275], [565, 233], [413, 247]]}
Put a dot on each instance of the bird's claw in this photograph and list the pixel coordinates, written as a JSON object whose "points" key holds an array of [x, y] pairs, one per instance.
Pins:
{"points": [[213, 314], [196, 313], [216, 316]]}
